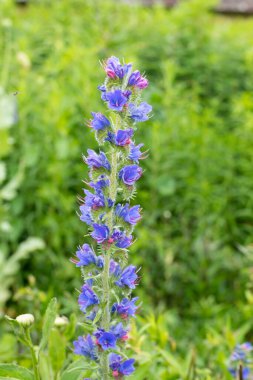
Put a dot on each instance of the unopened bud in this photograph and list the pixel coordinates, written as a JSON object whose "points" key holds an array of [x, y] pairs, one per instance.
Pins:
{"points": [[61, 321], [25, 319]]}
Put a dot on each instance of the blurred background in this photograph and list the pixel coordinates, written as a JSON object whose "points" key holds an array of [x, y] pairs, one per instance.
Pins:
{"points": [[194, 244]]}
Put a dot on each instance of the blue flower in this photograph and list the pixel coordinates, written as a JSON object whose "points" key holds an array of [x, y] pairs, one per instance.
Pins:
{"points": [[121, 138], [86, 256], [115, 361], [115, 269], [119, 332], [101, 183], [100, 233], [240, 352], [116, 100], [135, 154], [94, 201], [127, 367], [125, 308], [245, 372], [97, 161], [140, 112], [99, 121], [130, 215], [119, 367], [137, 80], [128, 277], [121, 240], [87, 298], [114, 69], [85, 346], [130, 174], [106, 340], [86, 216]]}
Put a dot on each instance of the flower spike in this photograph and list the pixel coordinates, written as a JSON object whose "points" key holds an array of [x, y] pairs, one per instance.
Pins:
{"points": [[105, 297]]}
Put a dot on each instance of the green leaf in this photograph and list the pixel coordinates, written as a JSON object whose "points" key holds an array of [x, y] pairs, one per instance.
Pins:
{"points": [[15, 372], [98, 316], [12, 321], [71, 328], [57, 352], [76, 370], [49, 319], [45, 368]]}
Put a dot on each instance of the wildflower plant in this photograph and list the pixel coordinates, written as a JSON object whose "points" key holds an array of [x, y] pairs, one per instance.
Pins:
{"points": [[240, 361], [105, 298]]}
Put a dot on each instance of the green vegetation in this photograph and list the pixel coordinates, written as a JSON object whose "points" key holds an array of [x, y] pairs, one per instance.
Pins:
{"points": [[194, 244]]}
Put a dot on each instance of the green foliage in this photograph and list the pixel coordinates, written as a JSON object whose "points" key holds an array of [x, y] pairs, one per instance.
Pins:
{"points": [[48, 323], [194, 243], [15, 372], [9, 267]]}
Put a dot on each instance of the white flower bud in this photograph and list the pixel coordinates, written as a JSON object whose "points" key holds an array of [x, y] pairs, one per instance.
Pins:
{"points": [[61, 321], [25, 319]]}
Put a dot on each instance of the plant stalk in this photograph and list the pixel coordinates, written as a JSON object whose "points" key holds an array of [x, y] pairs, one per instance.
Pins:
{"points": [[106, 316], [33, 354]]}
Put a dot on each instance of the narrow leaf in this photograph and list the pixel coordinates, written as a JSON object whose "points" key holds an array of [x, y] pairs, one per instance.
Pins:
{"points": [[49, 319]]}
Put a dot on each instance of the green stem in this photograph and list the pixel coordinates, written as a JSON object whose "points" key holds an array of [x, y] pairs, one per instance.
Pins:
{"points": [[33, 355], [106, 316]]}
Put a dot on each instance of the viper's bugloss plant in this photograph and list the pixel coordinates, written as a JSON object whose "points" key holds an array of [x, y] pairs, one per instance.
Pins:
{"points": [[105, 297], [240, 361]]}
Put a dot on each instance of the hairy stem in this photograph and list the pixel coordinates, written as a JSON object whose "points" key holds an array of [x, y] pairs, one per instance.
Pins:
{"points": [[106, 272]]}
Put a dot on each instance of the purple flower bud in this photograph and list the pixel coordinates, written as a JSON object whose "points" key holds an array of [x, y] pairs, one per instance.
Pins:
{"points": [[100, 233], [135, 154], [125, 308], [86, 347], [97, 161], [130, 215], [140, 112], [116, 100], [99, 121], [137, 80], [130, 174], [114, 69], [87, 298], [85, 255], [128, 277]]}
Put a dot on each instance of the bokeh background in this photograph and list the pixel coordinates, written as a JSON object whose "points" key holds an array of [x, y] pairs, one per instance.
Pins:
{"points": [[194, 244]]}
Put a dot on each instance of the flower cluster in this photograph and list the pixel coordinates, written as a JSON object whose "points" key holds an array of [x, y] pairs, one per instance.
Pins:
{"points": [[239, 361], [105, 297]]}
